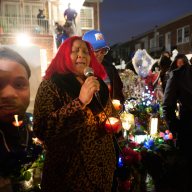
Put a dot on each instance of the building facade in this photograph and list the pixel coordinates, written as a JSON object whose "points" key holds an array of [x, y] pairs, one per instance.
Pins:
{"points": [[20, 16], [175, 34], [34, 38]]}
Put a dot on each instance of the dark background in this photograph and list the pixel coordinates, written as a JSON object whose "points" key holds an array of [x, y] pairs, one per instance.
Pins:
{"points": [[122, 19]]}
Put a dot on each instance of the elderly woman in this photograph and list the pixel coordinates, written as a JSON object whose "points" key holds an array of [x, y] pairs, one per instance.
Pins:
{"points": [[71, 122]]}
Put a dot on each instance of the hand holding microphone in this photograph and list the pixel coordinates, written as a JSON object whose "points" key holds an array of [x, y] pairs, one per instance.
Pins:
{"points": [[90, 87]]}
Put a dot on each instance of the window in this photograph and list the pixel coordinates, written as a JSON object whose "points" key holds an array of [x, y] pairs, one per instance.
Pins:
{"points": [[161, 41], [183, 35], [87, 18], [137, 46], [186, 34], [27, 10], [11, 9], [20, 18], [152, 43]]}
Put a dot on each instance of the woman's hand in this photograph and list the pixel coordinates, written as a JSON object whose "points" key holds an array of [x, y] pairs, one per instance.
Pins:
{"points": [[89, 87]]}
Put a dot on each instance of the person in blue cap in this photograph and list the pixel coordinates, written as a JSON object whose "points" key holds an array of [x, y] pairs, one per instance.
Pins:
{"points": [[101, 49]]}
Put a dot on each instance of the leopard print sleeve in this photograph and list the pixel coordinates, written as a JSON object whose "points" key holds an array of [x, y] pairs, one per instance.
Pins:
{"points": [[52, 111]]}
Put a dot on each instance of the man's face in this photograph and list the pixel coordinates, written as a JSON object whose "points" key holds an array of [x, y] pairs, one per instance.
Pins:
{"points": [[180, 63], [99, 54], [14, 90]]}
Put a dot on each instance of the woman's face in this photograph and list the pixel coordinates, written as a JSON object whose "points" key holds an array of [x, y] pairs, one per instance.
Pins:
{"points": [[80, 56], [14, 90], [180, 63]]}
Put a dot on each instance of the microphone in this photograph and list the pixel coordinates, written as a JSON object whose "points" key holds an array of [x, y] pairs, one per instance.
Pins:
{"points": [[88, 72]]}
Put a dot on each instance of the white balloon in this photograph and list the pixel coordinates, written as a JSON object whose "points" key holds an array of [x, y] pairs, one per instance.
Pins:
{"points": [[142, 62]]}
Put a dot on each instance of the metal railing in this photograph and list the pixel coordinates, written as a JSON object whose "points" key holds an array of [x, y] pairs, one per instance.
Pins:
{"points": [[9, 25]]}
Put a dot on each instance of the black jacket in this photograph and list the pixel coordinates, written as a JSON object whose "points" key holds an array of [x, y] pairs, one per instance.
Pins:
{"points": [[115, 80], [16, 148], [179, 88]]}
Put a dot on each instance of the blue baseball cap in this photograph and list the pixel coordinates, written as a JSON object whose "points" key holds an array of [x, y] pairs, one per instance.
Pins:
{"points": [[96, 39]]}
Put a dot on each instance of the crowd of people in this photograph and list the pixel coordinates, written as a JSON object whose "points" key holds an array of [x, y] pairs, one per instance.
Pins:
{"points": [[71, 110]]}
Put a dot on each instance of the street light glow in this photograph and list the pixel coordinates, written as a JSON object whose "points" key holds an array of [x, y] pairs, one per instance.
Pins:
{"points": [[23, 39]]}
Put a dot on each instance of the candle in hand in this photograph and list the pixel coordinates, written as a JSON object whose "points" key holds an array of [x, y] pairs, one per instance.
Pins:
{"points": [[113, 125], [16, 120], [116, 104], [17, 123]]}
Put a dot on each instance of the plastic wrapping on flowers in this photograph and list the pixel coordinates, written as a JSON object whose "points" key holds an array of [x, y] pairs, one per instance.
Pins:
{"points": [[138, 160]]}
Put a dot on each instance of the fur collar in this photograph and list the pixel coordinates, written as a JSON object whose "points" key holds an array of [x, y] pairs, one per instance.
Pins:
{"points": [[68, 83]]}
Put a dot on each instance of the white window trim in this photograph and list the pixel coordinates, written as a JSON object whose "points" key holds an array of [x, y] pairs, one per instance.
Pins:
{"points": [[17, 4], [92, 27], [4, 3], [183, 30]]}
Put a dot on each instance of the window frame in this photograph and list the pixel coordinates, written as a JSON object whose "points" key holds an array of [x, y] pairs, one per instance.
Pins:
{"points": [[92, 17], [183, 38]]}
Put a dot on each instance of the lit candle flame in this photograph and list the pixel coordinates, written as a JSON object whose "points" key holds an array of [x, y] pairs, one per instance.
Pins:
{"points": [[17, 123], [116, 104], [37, 141], [113, 124], [16, 120]]}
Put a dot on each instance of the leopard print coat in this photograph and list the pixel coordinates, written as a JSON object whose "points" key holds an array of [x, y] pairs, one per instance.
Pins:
{"points": [[80, 153]]}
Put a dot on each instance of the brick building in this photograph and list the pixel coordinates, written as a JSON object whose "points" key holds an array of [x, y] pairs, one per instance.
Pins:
{"points": [[20, 17], [175, 34]]}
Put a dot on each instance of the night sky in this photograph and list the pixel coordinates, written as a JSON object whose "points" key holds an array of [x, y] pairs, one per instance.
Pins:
{"points": [[122, 19]]}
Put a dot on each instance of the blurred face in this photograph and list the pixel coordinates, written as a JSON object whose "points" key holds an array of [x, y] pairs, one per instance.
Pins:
{"points": [[80, 56], [99, 54], [166, 54], [14, 90], [180, 63]]}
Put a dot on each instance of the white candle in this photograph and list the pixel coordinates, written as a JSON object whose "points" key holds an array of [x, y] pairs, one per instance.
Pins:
{"points": [[126, 125], [125, 134], [16, 120], [154, 126]]}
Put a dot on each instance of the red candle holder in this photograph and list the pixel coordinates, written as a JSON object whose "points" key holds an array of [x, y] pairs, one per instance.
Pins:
{"points": [[113, 125]]}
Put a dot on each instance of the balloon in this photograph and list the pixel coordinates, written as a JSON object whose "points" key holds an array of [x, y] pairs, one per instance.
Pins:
{"points": [[142, 62]]}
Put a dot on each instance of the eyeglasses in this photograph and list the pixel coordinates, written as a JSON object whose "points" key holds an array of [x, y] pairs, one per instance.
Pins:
{"points": [[103, 51]]}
